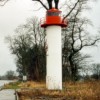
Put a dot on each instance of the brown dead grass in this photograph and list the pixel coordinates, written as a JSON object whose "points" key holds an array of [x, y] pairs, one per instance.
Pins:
{"points": [[32, 84], [89, 90]]}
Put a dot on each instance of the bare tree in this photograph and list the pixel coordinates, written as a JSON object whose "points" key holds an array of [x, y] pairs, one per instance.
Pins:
{"points": [[41, 2], [10, 75], [77, 36], [28, 46]]}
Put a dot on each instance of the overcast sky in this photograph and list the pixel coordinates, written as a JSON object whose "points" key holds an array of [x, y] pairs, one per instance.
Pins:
{"points": [[15, 12]]}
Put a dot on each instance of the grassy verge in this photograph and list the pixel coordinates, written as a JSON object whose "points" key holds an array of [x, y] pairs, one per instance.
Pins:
{"points": [[12, 85], [89, 90]]}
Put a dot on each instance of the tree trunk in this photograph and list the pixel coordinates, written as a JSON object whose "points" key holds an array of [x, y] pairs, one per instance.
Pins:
{"points": [[73, 68]]}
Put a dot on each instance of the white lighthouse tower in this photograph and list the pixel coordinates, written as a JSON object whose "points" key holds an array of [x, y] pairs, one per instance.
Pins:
{"points": [[53, 24]]}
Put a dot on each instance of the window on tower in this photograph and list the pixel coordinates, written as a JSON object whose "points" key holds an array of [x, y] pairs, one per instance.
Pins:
{"points": [[53, 13]]}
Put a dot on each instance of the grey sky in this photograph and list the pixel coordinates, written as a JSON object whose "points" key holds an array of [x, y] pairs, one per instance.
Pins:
{"points": [[15, 12]]}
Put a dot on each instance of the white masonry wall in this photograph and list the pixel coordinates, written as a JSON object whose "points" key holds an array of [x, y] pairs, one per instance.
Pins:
{"points": [[54, 58]]}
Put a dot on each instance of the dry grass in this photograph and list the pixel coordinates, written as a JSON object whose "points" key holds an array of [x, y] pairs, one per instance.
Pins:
{"points": [[89, 90], [32, 84]]}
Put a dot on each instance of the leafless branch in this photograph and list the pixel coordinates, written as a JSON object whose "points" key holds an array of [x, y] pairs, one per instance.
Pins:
{"points": [[73, 41], [71, 10], [42, 4], [3, 2], [92, 43]]}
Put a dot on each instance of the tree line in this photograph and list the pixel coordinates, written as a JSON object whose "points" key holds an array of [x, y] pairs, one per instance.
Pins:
{"points": [[30, 47], [9, 75]]}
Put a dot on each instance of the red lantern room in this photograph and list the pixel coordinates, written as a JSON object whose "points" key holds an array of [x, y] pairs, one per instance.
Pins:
{"points": [[53, 17]]}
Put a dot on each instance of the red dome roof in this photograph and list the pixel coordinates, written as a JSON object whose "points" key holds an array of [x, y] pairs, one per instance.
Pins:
{"points": [[53, 18]]}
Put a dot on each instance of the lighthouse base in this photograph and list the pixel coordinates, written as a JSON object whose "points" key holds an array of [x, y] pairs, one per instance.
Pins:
{"points": [[52, 83], [54, 58]]}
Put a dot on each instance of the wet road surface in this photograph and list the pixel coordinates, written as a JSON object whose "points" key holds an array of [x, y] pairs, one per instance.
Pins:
{"points": [[7, 94]]}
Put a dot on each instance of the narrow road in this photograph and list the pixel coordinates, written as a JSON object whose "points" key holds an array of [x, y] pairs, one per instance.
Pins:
{"points": [[7, 94]]}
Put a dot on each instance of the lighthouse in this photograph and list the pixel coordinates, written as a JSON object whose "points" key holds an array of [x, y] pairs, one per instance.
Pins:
{"points": [[53, 24]]}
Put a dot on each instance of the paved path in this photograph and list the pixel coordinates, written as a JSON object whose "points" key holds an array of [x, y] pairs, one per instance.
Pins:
{"points": [[7, 94]]}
